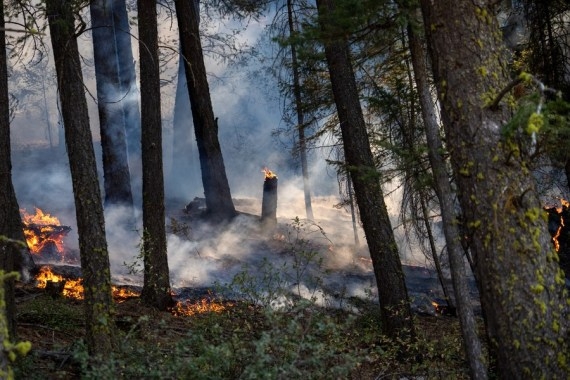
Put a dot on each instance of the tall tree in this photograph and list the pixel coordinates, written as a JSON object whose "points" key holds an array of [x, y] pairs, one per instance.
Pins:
{"points": [[183, 173], [88, 205], [445, 196], [521, 285], [117, 98], [219, 202], [299, 110], [11, 256], [393, 295], [156, 287]]}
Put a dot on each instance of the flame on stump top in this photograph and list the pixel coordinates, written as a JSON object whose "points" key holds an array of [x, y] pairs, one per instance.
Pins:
{"points": [[268, 173]]}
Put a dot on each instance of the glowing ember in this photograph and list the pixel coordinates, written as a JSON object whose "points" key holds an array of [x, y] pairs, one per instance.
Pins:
{"points": [[72, 288], [188, 308], [123, 294], [43, 230], [268, 173]]}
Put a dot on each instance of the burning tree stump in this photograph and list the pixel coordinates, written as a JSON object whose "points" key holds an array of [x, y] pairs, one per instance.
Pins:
{"points": [[55, 288], [269, 202], [44, 234]]}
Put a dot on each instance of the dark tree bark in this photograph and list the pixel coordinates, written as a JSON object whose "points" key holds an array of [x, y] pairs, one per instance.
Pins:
{"points": [[300, 113], [219, 202], [184, 173], [156, 288], [116, 95], [521, 285], [12, 256], [88, 205], [446, 204], [394, 303]]}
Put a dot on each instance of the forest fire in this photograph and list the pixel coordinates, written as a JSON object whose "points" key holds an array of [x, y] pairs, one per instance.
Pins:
{"points": [[442, 308], [43, 232], [71, 288], [556, 223], [190, 308], [560, 232]]}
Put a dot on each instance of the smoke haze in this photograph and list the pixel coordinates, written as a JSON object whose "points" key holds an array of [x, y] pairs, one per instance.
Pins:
{"points": [[247, 118]]}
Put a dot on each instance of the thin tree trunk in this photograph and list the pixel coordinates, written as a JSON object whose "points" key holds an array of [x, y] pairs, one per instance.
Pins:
{"points": [[156, 287], [521, 284], [352, 210], [300, 114], [445, 196], [12, 257], [433, 249], [88, 206], [219, 202], [184, 175], [392, 291], [409, 139]]}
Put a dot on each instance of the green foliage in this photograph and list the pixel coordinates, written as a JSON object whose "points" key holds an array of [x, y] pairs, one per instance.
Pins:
{"points": [[279, 286], [58, 314], [136, 266], [179, 228], [548, 119], [10, 350]]}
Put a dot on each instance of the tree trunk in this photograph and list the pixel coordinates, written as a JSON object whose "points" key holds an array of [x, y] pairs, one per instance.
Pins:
{"points": [[300, 114], [219, 202], [115, 94], [88, 205], [522, 288], [183, 176], [12, 257], [445, 196], [156, 288], [394, 303]]}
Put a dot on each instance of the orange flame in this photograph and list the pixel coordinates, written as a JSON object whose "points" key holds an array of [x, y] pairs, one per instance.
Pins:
{"points": [[42, 229], [268, 173], [559, 210], [122, 294], [188, 308], [74, 288], [71, 289]]}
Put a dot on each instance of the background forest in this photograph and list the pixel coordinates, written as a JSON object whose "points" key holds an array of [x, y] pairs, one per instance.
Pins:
{"points": [[284, 189]]}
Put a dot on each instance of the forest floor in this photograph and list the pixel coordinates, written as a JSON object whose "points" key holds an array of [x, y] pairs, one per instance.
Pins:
{"points": [[233, 339], [290, 313]]}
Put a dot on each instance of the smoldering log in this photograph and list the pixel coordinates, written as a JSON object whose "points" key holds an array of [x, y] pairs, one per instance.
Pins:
{"points": [[269, 201]]}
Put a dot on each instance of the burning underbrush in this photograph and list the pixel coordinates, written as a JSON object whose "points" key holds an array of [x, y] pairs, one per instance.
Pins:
{"points": [[59, 285]]}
